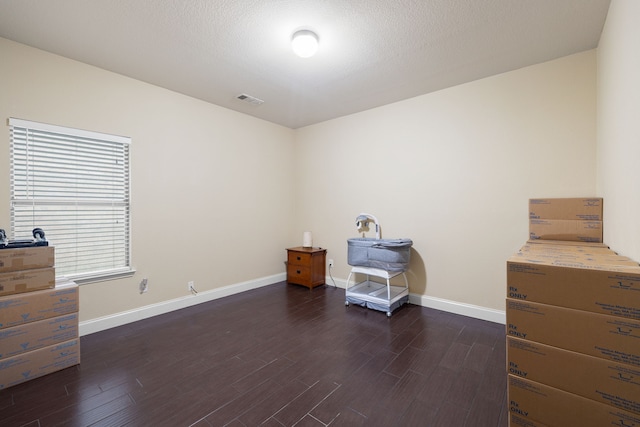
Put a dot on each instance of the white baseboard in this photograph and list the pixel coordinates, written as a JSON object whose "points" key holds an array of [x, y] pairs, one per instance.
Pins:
{"points": [[122, 318], [469, 310], [102, 323]]}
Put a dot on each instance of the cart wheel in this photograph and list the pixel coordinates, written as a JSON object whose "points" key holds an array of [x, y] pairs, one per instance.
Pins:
{"points": [[388, 314], [346, 303], [38, 234]]}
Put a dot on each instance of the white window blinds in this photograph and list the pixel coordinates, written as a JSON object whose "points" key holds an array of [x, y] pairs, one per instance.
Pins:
{"points": [[73, 184]]}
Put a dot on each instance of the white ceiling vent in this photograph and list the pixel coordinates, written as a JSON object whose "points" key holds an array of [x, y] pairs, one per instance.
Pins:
{"points": [[250, 99]]}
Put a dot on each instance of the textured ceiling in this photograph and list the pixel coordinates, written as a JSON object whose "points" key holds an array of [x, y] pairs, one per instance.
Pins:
{"points": [[372, 52]]}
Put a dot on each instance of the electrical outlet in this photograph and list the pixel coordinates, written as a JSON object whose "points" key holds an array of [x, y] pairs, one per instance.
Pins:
{"points": [[330, 263], [143, 286], [190, 286]]}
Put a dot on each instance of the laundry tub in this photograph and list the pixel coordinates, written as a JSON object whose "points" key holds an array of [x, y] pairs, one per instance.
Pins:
{"points": [[385, 254]]}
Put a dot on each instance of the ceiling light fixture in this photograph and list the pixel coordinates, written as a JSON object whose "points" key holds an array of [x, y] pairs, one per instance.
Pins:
{"points": [[304, 43]]}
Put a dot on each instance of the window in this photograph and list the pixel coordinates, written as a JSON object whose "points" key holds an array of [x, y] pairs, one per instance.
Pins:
{"points": [[74, 185]]}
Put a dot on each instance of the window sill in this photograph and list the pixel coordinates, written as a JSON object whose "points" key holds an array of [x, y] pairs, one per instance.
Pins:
{"points": [[84, 279]]}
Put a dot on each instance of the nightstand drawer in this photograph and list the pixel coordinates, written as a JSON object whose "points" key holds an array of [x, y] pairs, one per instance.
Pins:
{"points": [[298, 274], [298, 258]]}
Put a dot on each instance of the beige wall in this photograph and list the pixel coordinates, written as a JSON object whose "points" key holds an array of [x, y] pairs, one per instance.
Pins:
{"points": [[212, 198], [218, 195], [619, 126], [453, 170]]}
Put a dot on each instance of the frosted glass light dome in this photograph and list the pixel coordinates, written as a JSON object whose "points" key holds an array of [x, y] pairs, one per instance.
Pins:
{"points": [[304, 43]]}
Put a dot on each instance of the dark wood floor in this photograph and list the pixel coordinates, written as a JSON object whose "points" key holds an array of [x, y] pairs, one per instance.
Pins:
{"points": [[277, 356]]}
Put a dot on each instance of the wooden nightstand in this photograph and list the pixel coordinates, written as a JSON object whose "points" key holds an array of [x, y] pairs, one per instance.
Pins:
{"points": [[306, 266]]}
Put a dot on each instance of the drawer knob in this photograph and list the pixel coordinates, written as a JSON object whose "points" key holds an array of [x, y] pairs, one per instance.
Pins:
{"points": [[298, 271], [298, 258]]}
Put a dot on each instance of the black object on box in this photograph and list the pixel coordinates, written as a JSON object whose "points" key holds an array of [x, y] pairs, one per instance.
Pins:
{"points": [[38, 240]]}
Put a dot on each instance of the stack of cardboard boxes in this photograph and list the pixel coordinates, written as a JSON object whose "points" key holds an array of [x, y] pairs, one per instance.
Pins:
{"points": [[38, 317], [573, 324], [577, 220]]}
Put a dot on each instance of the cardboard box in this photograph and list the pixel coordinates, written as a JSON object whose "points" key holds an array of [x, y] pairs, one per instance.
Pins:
{"points": [[516, 420], [583, 209], [574, 245], [604, 381], [29, 307], [608, 337], [591, 245], [565, 246], [538, 402], [599, 288], [578, 261], [26, 258], [565, 229], [34, 364], [14, 282], [34, 335], [578, 258]]}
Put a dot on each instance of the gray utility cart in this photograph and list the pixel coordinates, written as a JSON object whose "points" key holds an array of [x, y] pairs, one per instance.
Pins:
{"points": [[377, 258]]}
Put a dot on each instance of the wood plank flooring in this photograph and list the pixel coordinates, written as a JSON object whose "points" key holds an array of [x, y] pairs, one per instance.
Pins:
{"points": [[281, 355]]}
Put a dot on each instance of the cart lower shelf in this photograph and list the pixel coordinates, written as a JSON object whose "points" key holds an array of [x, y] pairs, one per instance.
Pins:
{"points": [[376, 295], [368, 294]]}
